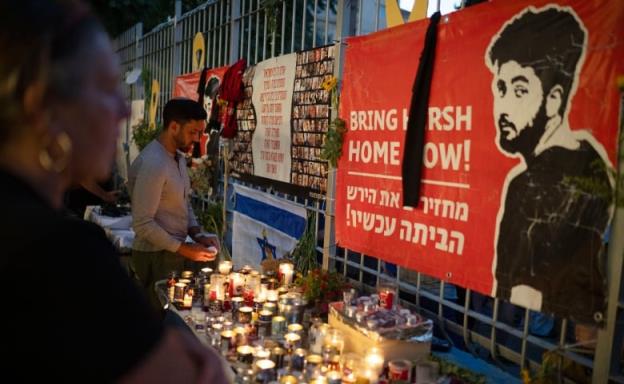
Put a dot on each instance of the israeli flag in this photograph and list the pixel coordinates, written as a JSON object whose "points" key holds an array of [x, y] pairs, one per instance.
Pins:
{"points": [[264, 226]]}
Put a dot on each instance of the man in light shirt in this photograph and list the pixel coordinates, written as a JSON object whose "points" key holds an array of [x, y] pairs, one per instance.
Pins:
{"points": [[162, 216]]}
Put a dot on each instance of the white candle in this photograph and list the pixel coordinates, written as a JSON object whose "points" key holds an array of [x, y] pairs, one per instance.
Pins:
{"points": [[271, 295], [374, 359], [225, 267], [286, 270], [238, 281]]}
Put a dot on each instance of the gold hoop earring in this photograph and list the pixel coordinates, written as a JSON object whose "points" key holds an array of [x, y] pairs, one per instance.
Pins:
{"points": [[64, 143]]}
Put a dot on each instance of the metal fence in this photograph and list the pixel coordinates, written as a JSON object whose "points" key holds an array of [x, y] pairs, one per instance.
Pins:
{"points": [[503, 334]]}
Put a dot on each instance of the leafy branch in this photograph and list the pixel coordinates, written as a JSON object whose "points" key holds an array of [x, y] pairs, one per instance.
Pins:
{"points": [[304, 254]]}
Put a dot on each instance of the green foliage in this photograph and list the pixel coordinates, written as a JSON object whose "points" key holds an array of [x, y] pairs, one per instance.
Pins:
{"points": [[143, 135], [304, 254], [332, 147], [454, 371], [211, 219], [201, 176], [322, 287], [273, 9]]}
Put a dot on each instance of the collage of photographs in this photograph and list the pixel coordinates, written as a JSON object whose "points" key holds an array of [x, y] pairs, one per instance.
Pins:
{"points": [[310, 118], [241, 160]]}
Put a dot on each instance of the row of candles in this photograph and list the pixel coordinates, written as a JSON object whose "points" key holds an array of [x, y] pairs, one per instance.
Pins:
{"points": [[255, 321], [224, 289]]}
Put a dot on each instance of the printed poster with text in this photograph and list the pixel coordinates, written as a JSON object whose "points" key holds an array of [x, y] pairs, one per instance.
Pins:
{"points": [[521, 137], [282, 123]]}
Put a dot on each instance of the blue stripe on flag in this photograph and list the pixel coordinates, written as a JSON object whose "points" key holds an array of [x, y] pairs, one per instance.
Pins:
{"points": [[280, 219]]}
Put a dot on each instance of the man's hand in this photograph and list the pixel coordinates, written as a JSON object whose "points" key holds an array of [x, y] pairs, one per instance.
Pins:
{"points": [[196, 252], [208, 240]]}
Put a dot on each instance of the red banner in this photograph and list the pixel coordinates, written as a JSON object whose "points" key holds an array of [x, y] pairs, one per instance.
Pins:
{"points": [[523, 112], [186, 86]]}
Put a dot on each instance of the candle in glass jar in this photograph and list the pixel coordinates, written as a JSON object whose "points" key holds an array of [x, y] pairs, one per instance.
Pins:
{"points": [[272, 295], [270, 306], [237, 303], [225, 267], [313, 364], [374, 359], [286, 271], [178, 295], [295, 328], [292, 340], [334, 377], [264, 370], [335, 339], [245, 354], [278, 325], [277, 355], [244, 315], [262, 353], [237, 283]]}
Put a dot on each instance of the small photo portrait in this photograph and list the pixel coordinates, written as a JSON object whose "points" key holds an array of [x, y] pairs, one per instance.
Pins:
{"points": [[330, 66], [298, 70], [323, 184], [317, 54], [311, 111], [324, 51], [304, 180], [330, 51], [305, 167]]}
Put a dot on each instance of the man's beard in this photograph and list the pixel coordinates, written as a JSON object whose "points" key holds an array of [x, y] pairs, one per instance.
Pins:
{"points": [[527, 139]]}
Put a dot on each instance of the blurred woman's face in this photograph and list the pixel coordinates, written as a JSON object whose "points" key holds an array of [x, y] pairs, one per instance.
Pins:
{"points": [[93, 119]]}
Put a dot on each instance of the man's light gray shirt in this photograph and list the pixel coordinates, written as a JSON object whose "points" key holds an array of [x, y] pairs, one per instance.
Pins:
{"points": [[161, 210]]}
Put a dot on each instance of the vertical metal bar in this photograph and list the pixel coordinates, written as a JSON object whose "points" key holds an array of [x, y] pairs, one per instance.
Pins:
{"points": [[465, 330], [358, 29], [303, 24], [228, 32], [212, 35], [418, 288], [283, 28], [264, 34], [236, 31], [525, 334], [327, 6], [257, 30], [249, 32], [607, 352], [314, 25], [220, 33], [292, 21], [241, 47], [377, 6], [563, 333], [440, 303], [493, 330]]}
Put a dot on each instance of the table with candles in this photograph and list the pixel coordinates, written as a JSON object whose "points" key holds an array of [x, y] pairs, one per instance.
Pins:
{"points": [[262, 325]]}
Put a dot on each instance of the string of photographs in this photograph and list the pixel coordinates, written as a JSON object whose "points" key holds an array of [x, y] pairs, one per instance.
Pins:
{"points": [[282, 123]]}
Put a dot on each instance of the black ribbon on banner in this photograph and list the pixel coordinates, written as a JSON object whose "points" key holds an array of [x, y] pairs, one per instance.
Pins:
{"points": [[415, 135]]}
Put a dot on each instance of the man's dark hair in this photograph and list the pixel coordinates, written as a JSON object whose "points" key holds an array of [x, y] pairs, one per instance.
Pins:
{"points": [[550, 41], [182, 111]]}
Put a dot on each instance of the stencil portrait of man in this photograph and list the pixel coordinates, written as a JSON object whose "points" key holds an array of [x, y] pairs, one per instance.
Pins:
{"points": [[557, 201]]}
